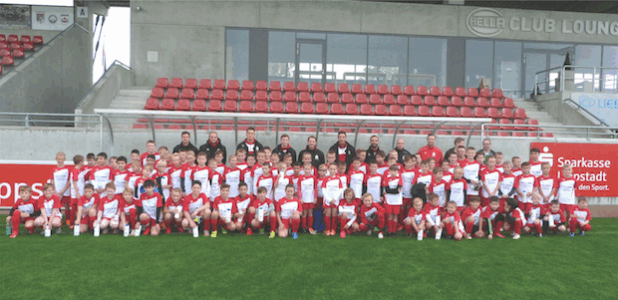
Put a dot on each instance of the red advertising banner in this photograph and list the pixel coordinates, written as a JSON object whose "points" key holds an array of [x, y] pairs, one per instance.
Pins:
{"points": [[15, 173], [592, 165]]}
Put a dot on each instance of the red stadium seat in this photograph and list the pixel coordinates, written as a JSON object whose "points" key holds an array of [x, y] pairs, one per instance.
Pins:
{"points": [[205, 84], [443, 101], [261, 85], [382, 89], [246, 95], [172, 93], [508, 102], [473, 92], [469, 101], [495, 102], [466, 112], [261, 106], [518, 134], [168, 104], [520, 122], [247, 85], [2, 37], [18, 53], [479, 112], [202, 94], [388, 99], [276, 107], [321, 108], [199, 105], [493, 112], [16, 45], [360, 98], [151, 103], [330, 88], [216, 94], [28, 46], [177, 83], [246, 105], [276, 96], [396, 89], [422, 90], [350, 109], [532, 134], [4, 45], [231, 95], [403, 100], [547, 135], [429, 101], [187, 93], [409, 111], [380, 110], [337, 108], [357, 88], [456, 101], [261, 95], [452, 111], [460, 133], [370, 89], [333, 98], [291, 107], [437, 111], [275, 86], [319, 97], [485, 92], [140, 126], [12, 38], [306, 108], [394, 110], [184, 104], [416, 100], [520, 113], [503, 133], [157, 92], [447, 91], [482, 102], [219, 84], [288, 86], [366, 109], [424, 111], [343, 88], [163, 82], [497, 93], [435, 91], [302, 87], [215, 105], [8, 61], [289, 97], [460, 92], [347, 98], [316, 87], [507, 113], [533, 122], [37, 39], [233, 85], [503, 122], [304, 97], [408, 90], [191, 83]]}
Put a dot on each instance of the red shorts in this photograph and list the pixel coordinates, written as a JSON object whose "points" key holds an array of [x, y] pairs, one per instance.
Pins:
{"points": [[24, 220], [460, 209], [484, 201], [392, 209], [74, 201], [65, 200], [333, 205], [407, 201], [286, 222], [152, 222], [566, 208], [308, 206]]}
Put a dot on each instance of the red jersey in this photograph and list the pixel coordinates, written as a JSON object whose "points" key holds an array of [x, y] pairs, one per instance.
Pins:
{"points": [[582, 214], [279, 191], [150, 203], [177, 177], [99, 176], [191, 204], [447, 176], [87, 203], [417, 216], [351, 208], [369, 214], [566, 190], [383, 169], [225, 207], [490, 214], [432, 213], [242, 203], [286, 207], [525, 184], [144, 155], [60, 176], [558, 216], [492, 179], [187, 174], [434, 152], [534, 212], [507, 184], [356, 180], [535, 168], [373, 182], [111, 207], [120, 178], [171, 205], [392, 183], [426, 178], [49, 205], [458, 188], [454, 217], [257, 204], [233, 178], [469, 212], [439, 188], [517, 171], [546, 185], [266, 181], [29, 206], [332, 188], [308, 188], [407, 176]]}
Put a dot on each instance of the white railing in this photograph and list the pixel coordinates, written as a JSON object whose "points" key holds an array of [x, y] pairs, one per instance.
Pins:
{"points": [[600, 80]]}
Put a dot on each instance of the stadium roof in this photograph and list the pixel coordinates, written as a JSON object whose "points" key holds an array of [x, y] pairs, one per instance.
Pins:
{"points": [[602, 7]]}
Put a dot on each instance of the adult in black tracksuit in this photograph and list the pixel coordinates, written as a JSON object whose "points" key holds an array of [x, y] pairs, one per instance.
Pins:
{"points": [[346, 149], [317, 156], [212, 146], [250, 143], [373, 149], [185, 144], [285, 148]]}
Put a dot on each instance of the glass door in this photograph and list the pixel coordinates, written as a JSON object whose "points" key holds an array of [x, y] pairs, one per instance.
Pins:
{"points": [[536, 60], [533, 63], [310, 61]]}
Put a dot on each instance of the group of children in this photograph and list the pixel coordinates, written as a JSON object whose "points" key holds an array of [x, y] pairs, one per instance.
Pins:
{"points": [[468, 195]]}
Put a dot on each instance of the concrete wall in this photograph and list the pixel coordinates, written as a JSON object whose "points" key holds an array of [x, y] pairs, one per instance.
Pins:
{"points": [[106, 89], [566, 113], [189, 36]]}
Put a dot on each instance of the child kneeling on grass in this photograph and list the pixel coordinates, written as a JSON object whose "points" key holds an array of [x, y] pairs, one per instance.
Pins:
{"points": [[23, 212], [515, 218], [223, 210], [173, 212], [288, 211], [451, 221], [372, 215], [348, 209], [109, 209], [554, 219], [264, 208], [149, 208], [416, 219], [580, 217]]}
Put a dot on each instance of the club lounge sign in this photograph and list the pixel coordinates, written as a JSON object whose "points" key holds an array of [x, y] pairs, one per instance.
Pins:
{"points": [[487, 22]]}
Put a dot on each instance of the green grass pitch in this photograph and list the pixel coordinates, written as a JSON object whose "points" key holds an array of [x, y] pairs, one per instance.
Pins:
{"points": [[312, 267]]}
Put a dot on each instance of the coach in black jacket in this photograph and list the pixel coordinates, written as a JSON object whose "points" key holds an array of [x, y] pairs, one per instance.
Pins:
{"points": [[212, 146], [185, 144], [317, 156], [285, 148], [373, 149], [347, 149], [250, 143]]}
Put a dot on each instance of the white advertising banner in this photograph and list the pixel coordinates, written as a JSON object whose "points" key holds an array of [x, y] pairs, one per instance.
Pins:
{"points": [[51, 17], [603, 106]]}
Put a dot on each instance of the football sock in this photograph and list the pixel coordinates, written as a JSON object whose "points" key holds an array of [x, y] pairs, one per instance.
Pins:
{"points": [[295, 224], [213, 223], [342, 223], [408, 229], [15, 220], [273, 223], [303, 221], [328, 223], [310, 221], [538, 228], [469, 227], [517, 227]]}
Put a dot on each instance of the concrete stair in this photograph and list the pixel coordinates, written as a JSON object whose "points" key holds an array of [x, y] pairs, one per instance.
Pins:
{"points": [[131, 98], [534, 112]]}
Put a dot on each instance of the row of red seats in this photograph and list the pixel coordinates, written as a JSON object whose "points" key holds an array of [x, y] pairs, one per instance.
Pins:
{"points": [[27, 46], [247, 85], [331, 97], [335, 108], [13, 38]]}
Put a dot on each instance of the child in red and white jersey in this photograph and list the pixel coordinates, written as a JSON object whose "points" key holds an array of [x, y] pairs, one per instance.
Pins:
{"points": [[356, 177], [525, 184], [23, 212], [534, 212], [472, 219], [446, 174], [438, 186], [139, 182], [516, 166], [265, 179], [151, 149], [163, 180], [343, 176], [507, 186], [567, 187], [424, 175], [173, 211], [479, 157], [471, 171], [492, 214], [247, 176], [289, 161], [364, 167], [263, 208], [371, 216], [220, 166], [203, 174], [257, 170], [415, 221], [120, 175], [176, 174], [223, 211], [451, 221], [289, 210], [536, 168], [373, 182], [307, 162], [109, 209], [408, 173], [382, 165], [129, 211], [297, 170], [393, 199], [281, 181], [433, 214], [456, 189], [149, 208], [500, 161], [515, 218], [187, 171], [100, 175], [331, 189], [453, 160], [78, 181], [322, 171], [196, 204], [244, 213], [216, 179], [491, 179], [348, 210], [554, 219], [232, 175], [241, 156], [331, 159], [87, 207], [308, 194], [546, 185], [60, 178], [49, 205], [580, 217]]}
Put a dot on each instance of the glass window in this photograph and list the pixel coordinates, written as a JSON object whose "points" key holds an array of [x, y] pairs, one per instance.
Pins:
{"points": [[547, 46], [479, 60], [311, 35], [610, 60], [387, 60], [281, 56], [346, 58], [237, 54], [587, 57], [427, 62], [507, 68]]}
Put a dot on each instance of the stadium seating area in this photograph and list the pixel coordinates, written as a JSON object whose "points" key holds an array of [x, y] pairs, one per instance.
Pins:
{"points": [[14, 48], [342, 99]]}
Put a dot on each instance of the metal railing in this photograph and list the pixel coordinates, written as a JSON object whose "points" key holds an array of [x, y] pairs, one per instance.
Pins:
{"points": [[579, 107], [598, 79], [556, 131], [28, 120]]}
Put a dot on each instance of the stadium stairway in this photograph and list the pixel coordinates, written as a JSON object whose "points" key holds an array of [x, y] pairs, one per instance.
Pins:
{"points": [[535, 112], [131, 98]]}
